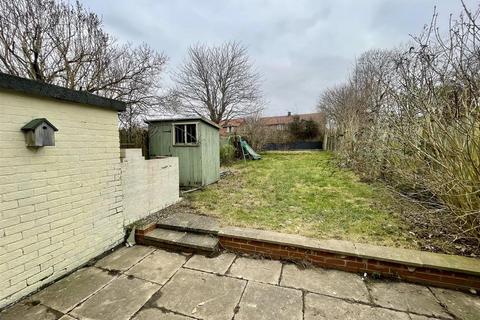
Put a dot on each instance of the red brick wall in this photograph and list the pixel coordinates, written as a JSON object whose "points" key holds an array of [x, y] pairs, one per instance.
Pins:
{"points": [[440, 278]]}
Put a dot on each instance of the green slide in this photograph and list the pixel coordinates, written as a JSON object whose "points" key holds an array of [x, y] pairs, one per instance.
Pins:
{"points": [[247, 150]]}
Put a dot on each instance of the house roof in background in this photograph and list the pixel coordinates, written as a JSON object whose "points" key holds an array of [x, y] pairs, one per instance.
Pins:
{"points": [[33, 87], [272, 121], [232, 123], [173, 119]]}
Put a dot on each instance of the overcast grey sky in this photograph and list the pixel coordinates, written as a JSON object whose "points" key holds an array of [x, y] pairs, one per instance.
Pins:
{"points": [[300, 46]]}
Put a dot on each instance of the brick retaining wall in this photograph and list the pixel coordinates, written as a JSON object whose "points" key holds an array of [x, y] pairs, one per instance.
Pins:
{"points": [[440, 278], [441, 270]]}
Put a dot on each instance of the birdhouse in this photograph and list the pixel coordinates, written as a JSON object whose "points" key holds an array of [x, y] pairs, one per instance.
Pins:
{"points": [[39, 133]]}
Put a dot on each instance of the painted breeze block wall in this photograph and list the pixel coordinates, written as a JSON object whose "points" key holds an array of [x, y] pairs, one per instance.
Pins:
{"points": [[148, 185], [59, 206]]}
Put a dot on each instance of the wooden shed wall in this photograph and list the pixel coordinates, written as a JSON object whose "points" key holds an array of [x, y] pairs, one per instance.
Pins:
{"points": [[210, 143], [189, 157]]}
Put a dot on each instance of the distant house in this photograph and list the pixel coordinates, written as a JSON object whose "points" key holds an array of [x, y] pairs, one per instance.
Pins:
{"points": [[279, 123], [282, 122], [230, 126]]}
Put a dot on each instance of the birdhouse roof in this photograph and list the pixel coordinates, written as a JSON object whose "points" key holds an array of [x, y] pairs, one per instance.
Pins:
{"points": [[32, 125]]}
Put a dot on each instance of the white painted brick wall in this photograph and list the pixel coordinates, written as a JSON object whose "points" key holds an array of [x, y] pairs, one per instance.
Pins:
{"points": [[59, 206], [148, 185]]}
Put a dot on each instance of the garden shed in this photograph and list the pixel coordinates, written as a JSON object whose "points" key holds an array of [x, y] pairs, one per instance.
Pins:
{"points": [[195, 141]]}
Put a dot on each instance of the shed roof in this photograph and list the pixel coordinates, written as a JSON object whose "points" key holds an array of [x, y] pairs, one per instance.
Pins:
{"points": [[213, 124], [38, 88]]}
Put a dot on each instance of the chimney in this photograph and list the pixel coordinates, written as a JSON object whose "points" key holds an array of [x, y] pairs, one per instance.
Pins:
{"points": [[289, 114]]}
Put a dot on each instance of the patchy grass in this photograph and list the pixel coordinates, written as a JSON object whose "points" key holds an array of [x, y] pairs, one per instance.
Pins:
{"points": [[304, 193]]}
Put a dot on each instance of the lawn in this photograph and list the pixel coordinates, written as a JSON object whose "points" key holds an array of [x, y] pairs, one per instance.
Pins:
{"points": [[304, 193]]}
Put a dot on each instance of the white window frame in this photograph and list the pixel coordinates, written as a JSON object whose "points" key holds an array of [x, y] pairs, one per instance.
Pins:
{"points": [[185, 134]]}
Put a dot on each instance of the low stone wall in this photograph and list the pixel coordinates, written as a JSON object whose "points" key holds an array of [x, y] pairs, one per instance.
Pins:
{"points": [[454, 272], [148, 185]]}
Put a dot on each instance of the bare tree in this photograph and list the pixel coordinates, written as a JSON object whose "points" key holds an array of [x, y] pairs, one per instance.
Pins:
{"points": [[218, 82], [64, 44]]}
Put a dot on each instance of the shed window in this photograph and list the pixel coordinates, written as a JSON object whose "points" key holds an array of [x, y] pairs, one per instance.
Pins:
{"points": [[185, 133]]}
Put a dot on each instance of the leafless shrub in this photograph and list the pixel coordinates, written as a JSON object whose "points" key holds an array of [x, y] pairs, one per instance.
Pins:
{"points": [[253, 130], [411, 117]]}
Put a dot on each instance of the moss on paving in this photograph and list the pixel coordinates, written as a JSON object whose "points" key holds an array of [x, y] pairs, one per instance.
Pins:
{"points": [[304, 193]]}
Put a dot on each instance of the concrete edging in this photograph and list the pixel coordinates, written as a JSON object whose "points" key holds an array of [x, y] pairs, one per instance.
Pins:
{"points": [[411, 265]]}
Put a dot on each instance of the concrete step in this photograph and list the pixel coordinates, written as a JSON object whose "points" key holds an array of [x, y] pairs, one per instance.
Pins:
{"points": [[185, 241], [190, 223]]}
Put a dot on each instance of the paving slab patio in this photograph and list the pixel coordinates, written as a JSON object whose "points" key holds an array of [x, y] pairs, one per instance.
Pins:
{"points": [[407, 297], [119, 300], [329, 282], [417, 317], [158, 267], [218, 264], [65, 294], [264, 301], [201, 295], [149, 283], [462, 305], [124, 258], [158, 314], [262, 270], [318, 307], [31, 311]]}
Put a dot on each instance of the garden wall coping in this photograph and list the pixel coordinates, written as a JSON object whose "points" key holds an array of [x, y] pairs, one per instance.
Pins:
{"points": [[407, 257]]}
